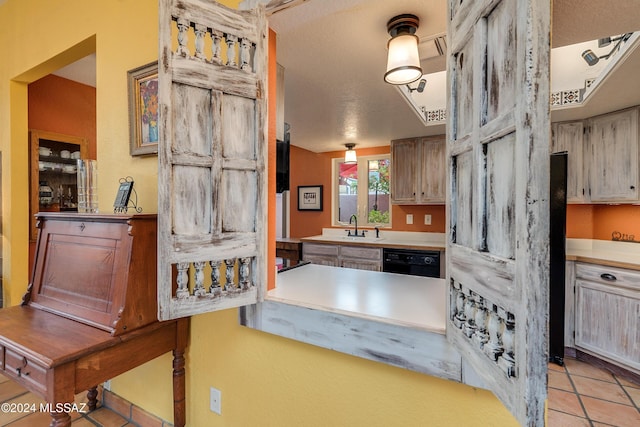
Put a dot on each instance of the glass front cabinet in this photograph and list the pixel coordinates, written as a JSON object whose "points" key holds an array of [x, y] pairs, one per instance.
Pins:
{"points": [[53, 173]]}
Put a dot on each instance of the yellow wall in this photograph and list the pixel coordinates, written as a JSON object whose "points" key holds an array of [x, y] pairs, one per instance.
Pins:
{"points": [[265, 380]]}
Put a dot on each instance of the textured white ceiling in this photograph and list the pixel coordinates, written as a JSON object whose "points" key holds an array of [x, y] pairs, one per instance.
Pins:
{"points": [[334, 55]]}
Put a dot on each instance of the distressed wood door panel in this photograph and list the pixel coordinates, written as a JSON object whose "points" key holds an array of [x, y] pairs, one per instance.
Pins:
{"points": [[497, 211], [212, 157], [403, 171], [569, 137], [614, 167], [433, 176]]}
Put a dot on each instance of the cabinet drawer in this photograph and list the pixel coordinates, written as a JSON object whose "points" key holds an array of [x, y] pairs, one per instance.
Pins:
{"points": [[25, 370], [609, 275], [319, 249], [372, 254]]}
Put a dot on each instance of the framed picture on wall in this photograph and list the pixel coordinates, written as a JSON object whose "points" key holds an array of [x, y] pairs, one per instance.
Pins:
{"points": [[310, 197], [143, 109]]}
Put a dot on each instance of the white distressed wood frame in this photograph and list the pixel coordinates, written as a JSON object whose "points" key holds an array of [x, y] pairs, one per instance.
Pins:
{"points": [[212, 156], [498, 208]]}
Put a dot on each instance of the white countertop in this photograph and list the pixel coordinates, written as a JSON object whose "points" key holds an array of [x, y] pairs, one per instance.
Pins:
{"points": [[392, 298], [621, 254], [387, 238]]}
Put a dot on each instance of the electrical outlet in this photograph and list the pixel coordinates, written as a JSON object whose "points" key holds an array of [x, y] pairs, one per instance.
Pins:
{"points": [[409, 218], [427, 219], [215, 397]]}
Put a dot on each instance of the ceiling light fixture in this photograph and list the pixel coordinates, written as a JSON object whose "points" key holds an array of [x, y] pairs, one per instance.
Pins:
{"points": [[403, 60], [350, 154], [592, 59]]}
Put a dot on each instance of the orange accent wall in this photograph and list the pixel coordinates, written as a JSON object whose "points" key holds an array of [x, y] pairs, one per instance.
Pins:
{"points": [[63, 106], [624, 219], [601, 221], [580, 221], [309, 168], [271, 179]]}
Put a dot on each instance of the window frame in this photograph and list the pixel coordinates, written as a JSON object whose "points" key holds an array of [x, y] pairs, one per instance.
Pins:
{"points": [[362, 203]]}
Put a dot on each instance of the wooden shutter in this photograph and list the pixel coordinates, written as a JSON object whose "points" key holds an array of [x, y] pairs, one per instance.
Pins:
{"points": [[498, 209], [212, 157]]}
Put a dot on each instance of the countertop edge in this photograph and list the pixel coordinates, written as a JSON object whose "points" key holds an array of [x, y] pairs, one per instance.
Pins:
{"points": [[357, 314], [377, 244], [602, 261]]}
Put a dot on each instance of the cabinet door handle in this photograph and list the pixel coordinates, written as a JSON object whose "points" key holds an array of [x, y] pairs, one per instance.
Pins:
{"points": [[633, 187], [608, 277]]}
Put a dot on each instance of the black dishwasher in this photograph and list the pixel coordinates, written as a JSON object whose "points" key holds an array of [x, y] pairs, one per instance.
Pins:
{"points": [[411, 261]]}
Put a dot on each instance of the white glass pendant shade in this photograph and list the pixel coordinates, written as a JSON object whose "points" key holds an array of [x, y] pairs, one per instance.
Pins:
{"points": [[403, 61], [350, 156]]}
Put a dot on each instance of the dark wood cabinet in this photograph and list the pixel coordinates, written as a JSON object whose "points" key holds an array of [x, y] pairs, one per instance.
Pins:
{"points": [[52, 166]]}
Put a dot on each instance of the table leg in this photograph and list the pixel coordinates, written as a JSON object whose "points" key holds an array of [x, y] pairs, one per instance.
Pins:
{"points": [[92, 398], [179, 403], [60, 419]]}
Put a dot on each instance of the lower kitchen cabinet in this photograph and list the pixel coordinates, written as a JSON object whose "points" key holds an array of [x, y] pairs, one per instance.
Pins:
{"points": [[607, 314], [361, 258], [322, 254], [358, 257]]}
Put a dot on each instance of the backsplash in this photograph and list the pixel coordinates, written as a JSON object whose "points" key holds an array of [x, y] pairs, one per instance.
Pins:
{"points": [[604, 222]]}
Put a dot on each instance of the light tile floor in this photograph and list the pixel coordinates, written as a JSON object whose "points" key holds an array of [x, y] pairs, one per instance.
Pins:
{"points": [[580, 395], [583, 395]]}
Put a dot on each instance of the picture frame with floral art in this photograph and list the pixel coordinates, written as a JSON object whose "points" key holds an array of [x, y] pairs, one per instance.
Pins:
{"points": [[143, 109]]}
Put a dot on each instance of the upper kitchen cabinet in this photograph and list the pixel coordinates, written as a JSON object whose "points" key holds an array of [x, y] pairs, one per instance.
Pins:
{"points": [[613, 165], [52, 176], [569, 137], [418, 171]]}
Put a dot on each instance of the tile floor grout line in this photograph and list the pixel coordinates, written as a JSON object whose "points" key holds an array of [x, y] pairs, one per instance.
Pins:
{"points": [[633, 403], [575, 390]]}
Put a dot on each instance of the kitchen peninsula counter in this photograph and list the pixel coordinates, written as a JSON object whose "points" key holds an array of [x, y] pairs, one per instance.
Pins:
{"points": [[390, 318], [387, 297]]}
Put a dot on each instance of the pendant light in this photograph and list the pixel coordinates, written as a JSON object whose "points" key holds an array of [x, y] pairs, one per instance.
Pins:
{"points": [[403, 60], [350, 154]]}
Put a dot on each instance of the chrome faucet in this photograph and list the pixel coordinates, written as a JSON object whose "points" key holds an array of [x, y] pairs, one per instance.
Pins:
{"points": [[354, 218]]}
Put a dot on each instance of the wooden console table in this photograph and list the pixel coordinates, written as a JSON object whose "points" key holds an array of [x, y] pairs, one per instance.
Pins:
{"points": [[90, 311], [290, 249]]}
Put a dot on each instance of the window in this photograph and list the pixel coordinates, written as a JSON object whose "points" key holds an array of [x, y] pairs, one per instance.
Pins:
{"points": [[362, 189]]}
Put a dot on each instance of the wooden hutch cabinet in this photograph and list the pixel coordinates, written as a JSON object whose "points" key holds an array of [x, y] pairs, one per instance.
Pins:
{"points": [[52, 167]]}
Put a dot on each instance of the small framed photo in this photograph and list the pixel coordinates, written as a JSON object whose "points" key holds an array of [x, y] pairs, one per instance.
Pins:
{"points": [[310, 197], [143, 109]]}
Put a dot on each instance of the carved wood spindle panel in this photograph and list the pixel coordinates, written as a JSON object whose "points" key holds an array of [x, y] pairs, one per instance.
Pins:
{"points": [[183, 36], [182, 280], [200, 31], [245, 46], [230, 275], [198, 289], [216, 46], [245, 279], [231, 50], [215, 289]]}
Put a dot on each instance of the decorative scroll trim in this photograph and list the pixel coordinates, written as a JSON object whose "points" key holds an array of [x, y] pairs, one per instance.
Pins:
{"points": [[239, 50], [434, 116], [486, 325]]}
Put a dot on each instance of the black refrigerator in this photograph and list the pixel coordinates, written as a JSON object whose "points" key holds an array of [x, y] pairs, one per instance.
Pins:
{"points": [[557, 255]]}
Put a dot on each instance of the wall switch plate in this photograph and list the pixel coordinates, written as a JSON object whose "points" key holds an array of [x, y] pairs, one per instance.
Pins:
{"points": [[427, 219], [409, 218], [215, 397]]}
